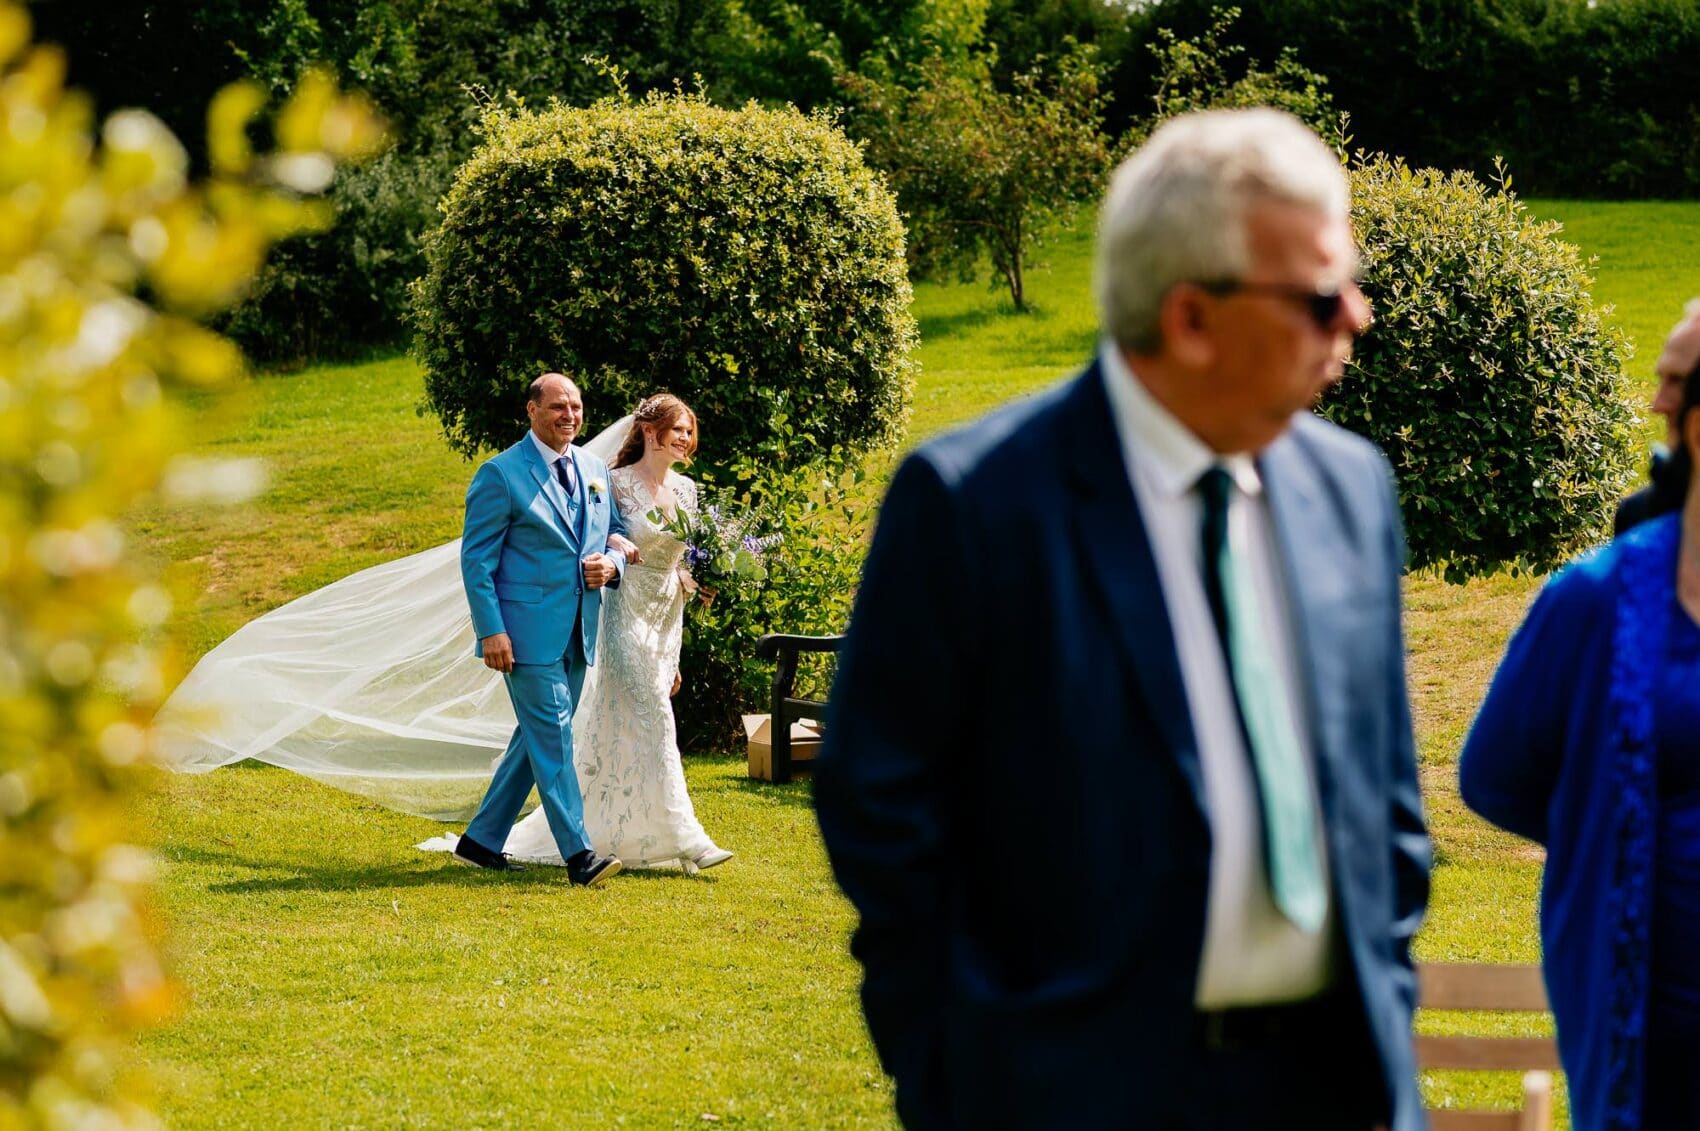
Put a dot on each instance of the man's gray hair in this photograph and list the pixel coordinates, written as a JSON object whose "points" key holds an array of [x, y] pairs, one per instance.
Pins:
{"points": [[1176, 209]]}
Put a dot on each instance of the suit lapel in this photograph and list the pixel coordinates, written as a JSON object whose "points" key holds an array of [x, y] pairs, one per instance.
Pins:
{"points": [[1310, 562], [1118, 556], [552, 490], [581, 496]]}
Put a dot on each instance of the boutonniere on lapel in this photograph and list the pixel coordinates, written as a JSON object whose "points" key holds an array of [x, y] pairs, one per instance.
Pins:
{"points": [[596, 487]]}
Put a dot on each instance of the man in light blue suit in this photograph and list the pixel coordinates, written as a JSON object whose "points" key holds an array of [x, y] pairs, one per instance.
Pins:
{"points": [[542, 539], [1119, 769]]}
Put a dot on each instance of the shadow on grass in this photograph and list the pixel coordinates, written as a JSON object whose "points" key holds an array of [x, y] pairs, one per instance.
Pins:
{"points": [[344, 875], [945, 325], [431, 870], [796, 794]]}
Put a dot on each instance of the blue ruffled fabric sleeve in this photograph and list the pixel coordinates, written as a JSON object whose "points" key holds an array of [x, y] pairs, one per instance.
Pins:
{"points": [[1513, 756]]}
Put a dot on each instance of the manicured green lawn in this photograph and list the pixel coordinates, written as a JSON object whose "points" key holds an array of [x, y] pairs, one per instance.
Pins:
{"points": [[336, 977], [1646, 268]]}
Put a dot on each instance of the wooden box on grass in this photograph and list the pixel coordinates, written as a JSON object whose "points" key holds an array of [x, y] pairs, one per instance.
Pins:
{"points": [[758, 734]]}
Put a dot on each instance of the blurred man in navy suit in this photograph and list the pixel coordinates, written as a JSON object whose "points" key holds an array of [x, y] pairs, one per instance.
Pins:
{"points": [[1119, 772]]}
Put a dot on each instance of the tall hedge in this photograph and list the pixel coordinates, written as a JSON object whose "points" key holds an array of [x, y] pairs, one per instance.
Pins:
{"points": [[1582, 98], [1489, 376], [747, 260], [334, 293]]}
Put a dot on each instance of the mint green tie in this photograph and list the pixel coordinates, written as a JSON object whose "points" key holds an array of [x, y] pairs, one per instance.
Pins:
{"points": [[1291, 853]]}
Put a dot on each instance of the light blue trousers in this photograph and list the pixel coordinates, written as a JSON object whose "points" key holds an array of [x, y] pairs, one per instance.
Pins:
{"points": [[539, 753]]}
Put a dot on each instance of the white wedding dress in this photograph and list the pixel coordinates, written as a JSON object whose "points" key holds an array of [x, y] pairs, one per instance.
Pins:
{"points": [[370, 685], [625, 745]]}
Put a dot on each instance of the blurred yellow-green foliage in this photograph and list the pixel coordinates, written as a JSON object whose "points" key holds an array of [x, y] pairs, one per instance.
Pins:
{"points": [[108, 256]]}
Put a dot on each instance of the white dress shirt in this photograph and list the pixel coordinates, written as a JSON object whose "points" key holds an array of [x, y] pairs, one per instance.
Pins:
{"points": [[550, 456], [1252, 954]]}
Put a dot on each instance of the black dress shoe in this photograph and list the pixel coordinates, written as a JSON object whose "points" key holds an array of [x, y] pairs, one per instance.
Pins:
{"points": [[469, 851], [587, 869]]}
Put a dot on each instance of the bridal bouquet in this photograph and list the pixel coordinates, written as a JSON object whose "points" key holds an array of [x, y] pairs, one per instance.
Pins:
{"points": [[725, 546]]}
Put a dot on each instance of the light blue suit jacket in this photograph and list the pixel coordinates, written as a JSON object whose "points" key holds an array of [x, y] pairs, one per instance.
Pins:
{"points": [[521, 548]]}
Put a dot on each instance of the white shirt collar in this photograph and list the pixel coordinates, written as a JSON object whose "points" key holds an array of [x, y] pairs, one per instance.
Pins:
{"points": [[550, 455], [1172, 457]]}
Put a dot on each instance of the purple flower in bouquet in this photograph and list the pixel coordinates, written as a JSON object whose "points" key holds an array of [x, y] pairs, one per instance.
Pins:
{"points": [[722, 544]]}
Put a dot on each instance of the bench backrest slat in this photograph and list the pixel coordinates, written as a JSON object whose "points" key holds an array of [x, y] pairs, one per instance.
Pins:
{"points": [[1494, 989], [1474, 1120], [1442, 985], [1503, 1053]]}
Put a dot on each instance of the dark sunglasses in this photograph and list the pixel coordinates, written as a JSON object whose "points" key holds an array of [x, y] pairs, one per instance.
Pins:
{"points": [[1323, 303]]}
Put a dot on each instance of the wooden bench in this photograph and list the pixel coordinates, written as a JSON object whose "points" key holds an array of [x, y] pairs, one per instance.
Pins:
{"points": [[1503, 989], [786, 708]]}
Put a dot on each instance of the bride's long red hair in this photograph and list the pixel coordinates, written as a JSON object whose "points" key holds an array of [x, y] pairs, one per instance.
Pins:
{"points": [[663, 410]]}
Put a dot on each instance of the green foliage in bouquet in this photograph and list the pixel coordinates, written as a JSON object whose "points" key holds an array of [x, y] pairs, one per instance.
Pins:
{"points": [[109, 257], [1489, 377], [725, 545], [747, 260]]}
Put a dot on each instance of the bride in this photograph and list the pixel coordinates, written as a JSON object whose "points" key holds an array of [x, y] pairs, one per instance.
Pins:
{"points": [[625, 745], [370, 685]]}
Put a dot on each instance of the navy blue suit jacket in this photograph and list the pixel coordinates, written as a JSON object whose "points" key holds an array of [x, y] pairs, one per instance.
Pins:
{"points": [[1010, 789]]}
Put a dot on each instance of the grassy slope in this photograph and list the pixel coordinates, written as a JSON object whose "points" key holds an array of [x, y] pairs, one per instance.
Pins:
{"points": [[336, 977]]}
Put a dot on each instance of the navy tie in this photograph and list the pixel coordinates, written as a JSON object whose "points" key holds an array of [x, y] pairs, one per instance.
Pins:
{"points": [[564, 472]]}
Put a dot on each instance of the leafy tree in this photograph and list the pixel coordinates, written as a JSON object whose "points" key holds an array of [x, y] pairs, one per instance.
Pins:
{"points": [[414, 57], [109, 257], [1022, 32], [794, 50], [536, 49], [1576, 95], [325, 293], [1205, 73], [346, 289], [161, 54], [979, 171]]}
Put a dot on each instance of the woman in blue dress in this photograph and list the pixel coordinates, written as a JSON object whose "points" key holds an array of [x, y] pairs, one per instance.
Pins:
{"points": [[1589, 743]]}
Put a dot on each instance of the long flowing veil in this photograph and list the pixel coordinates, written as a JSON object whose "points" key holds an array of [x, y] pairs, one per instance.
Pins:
{"points": [[369, 684]]}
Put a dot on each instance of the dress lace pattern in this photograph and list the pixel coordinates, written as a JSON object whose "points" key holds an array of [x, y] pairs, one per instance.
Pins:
{"points": [[625, 744]]}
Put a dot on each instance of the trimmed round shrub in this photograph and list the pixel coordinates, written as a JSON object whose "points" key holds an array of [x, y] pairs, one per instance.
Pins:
{"points": [[746, 260], [1489, 377]]}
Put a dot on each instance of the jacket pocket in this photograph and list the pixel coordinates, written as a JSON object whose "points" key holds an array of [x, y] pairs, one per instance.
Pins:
{"points": [[519, 594]]}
